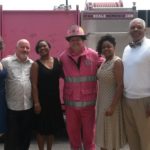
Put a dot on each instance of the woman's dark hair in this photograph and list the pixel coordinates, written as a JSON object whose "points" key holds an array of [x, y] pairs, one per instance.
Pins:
{"points": [[107, 37], [38, 45]]}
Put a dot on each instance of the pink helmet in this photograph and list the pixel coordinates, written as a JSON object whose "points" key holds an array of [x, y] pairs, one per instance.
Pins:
{"points": [[75, 30]]}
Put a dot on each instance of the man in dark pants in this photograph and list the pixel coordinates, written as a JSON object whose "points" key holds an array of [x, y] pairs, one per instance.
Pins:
{"points": [[18, 97]]}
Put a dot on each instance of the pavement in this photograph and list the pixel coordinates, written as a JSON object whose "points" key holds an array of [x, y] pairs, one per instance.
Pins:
{"points": [[58, 145]]}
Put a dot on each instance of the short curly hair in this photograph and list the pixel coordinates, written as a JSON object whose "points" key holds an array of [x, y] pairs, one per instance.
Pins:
{"points": [[38, 45], [107, 37]]}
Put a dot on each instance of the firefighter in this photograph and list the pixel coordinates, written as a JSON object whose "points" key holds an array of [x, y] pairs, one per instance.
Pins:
{"points": [[80, 89]]}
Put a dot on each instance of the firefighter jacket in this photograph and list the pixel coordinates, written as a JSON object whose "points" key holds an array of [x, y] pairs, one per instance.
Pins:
{"points": [[80, 83]]}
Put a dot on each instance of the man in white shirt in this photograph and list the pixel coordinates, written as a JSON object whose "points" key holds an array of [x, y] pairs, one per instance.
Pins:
{"points": [[136, 60], [18, 97]]}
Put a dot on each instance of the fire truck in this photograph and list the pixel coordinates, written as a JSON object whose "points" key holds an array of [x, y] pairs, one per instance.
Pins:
{"points": [[111, 18], [97, 19]]}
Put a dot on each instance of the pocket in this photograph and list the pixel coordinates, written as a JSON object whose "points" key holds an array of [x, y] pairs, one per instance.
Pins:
{"points": [[146, 103], [89, 94], [88, 91]]}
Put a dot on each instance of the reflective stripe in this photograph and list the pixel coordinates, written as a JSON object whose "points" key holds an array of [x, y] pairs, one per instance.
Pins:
{"points": [[81, 79], [80, 104]]}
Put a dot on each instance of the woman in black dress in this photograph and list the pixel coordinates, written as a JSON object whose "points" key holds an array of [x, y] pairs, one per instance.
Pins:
{"points": [[45, 74]]}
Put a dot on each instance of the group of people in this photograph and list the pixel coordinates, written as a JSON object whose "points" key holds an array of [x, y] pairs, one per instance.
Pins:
{"points": [[107, 99]]}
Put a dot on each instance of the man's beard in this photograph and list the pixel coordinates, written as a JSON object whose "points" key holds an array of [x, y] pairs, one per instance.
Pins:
{"points": [[23, 56]]}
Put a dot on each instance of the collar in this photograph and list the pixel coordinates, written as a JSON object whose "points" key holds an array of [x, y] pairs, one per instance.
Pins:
{"points": [[136, 44], [15, 58]]}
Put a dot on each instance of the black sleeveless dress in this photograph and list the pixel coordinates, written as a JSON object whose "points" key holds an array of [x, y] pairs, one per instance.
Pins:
{"points": [[50, 120]]}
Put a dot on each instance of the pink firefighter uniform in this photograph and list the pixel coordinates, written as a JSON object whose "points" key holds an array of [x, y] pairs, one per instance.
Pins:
{"points": [[80, 90]]}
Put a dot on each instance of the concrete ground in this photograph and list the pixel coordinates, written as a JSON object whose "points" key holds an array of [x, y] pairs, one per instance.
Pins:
{"points": [[58, 145]]}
